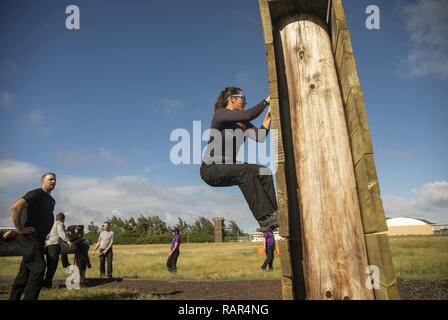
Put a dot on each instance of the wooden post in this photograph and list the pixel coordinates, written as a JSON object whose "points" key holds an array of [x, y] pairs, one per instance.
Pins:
{"points": [[219, 229], [330, 209]]}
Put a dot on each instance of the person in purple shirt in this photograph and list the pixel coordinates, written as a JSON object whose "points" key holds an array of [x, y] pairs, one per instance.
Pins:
{"points": [[269, 248], [174, 253]]}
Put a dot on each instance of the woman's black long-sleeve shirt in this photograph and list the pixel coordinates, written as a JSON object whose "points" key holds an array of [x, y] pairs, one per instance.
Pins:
{"points": [[232, 127]]}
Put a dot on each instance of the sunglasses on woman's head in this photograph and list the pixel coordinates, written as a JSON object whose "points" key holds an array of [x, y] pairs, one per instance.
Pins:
{"points": [[242, 96]]}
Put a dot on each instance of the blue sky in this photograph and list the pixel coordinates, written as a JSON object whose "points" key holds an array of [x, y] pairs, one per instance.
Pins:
{"points": [[97, 105]]}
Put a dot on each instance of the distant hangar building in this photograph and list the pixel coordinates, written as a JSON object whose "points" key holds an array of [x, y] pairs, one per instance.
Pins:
{"points": [[409, 226]]}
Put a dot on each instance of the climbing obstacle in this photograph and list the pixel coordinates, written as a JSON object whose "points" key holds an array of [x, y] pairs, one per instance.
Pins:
{"points": [[331, 213]]}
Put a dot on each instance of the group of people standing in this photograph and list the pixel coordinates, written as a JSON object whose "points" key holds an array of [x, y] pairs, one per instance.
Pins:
{"points": [[42, 239], [218, 170]]}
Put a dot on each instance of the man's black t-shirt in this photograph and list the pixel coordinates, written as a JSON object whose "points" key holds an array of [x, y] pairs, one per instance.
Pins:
{"points": [[39, 211]]}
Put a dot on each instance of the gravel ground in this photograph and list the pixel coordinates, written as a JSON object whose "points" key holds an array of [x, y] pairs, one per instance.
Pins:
{"points": [[410, 289]]}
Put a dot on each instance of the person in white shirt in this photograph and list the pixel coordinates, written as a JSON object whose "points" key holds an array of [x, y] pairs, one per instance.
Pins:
{"points": [[56, 238], [105, 242]]}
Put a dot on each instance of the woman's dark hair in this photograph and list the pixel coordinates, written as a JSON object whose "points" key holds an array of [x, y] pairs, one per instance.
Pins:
{"points": [[221, 102]]}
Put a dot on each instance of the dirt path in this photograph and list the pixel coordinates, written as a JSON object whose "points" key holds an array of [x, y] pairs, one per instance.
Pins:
{"points": [[411, 289], [198, 290]]}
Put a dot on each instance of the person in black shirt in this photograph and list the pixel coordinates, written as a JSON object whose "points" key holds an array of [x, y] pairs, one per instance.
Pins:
{"points": [[39, 205], [220, 169]]}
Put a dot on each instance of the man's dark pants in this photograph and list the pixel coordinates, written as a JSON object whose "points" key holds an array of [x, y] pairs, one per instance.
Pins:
{"points": [[29, 280], [269, 257], [258, 190], [52, 254], [171, 263], [103, 258]]}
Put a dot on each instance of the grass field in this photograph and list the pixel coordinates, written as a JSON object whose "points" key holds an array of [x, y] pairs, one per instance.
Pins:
{"points": [[423, 257], [196, 262]]}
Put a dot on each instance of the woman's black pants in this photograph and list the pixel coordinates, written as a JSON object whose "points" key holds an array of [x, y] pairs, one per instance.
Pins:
{"points": [[258, 190]]}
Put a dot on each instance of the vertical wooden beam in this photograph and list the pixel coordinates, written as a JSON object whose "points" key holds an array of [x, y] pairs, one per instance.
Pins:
{"points": [[290, 192], [372, 211], [282, 193], [330, 214]]}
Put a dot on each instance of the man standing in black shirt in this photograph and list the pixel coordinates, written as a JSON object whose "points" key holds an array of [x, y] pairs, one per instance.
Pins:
{"points": [[39, 205]]}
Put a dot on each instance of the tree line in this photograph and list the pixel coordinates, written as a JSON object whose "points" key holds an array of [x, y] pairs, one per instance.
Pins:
{"points": [[152, 229]]}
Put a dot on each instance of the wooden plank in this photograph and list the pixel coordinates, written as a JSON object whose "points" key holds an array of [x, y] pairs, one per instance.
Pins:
{"points": [[266, 21], [337, 22], [287, 289], [270, 56], [372, 210], [358, 129], [387, 293], [338, 10], [277, 134], [344, 45], [378, 251], [282, 198], [273, 90], [285, 260], [343, 51], [348, 75], [330, 211]]}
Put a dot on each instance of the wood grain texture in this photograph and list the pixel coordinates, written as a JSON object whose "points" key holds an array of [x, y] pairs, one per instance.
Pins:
{"points": [[285, 259], [380, 256], [266, 21], [337, 22], [372, 210], [282, 198], [358, 129], [335, 256], [387, 293], [287, 289]]}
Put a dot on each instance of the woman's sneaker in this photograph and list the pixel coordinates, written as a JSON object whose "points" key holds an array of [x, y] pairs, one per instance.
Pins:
{"points": [[270, 222]]}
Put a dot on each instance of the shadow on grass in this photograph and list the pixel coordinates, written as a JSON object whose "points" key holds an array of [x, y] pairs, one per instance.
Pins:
{"points": [[162, 295], [118, 283], [95, 282], [101, 295]]}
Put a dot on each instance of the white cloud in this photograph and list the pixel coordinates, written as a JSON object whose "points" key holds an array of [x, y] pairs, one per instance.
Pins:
{"points": [[35, 121], [430, 202], [35, 117], [170, 105], [153, 168], [17, 172], [72, 157], [130, 196], [82, 157], [13, 174], [426, 24], [423, 62], [110, 156], [94, 199], [6, 99]]}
